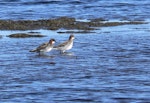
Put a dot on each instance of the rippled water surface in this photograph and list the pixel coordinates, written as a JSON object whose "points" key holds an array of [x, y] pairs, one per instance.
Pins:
{"points": [[109, 66], [80, 9]]}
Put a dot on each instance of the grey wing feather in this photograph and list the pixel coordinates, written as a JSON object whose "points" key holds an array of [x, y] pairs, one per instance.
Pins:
{"points": [[40, 47], [61, 45]]}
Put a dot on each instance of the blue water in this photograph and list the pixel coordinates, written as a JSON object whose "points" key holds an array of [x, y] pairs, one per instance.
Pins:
{"points": [[110, 65], [80, 9]]}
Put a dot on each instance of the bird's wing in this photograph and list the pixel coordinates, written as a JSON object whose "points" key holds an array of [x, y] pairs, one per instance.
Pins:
{"points": [[42, 46], [39, 47], [61, 45]]}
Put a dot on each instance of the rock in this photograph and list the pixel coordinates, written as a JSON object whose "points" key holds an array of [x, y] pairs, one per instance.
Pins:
{"points": [[24, 35], [70, 32], [62, 22]]}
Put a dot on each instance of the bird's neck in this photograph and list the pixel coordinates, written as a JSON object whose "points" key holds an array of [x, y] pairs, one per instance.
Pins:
{"points": [[70, 40], [50, 44]]}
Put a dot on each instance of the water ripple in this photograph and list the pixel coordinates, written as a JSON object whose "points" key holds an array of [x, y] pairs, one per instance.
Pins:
{"points": [[100, 68]]}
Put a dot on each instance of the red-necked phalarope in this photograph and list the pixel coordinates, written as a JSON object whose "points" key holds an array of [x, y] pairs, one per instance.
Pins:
{"points": [[65, 45], [45, 47]]}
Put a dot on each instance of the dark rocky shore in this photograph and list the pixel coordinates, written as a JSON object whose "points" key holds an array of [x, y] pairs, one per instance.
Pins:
{"points": [[62, 22], [25, 35], [70, 24]]}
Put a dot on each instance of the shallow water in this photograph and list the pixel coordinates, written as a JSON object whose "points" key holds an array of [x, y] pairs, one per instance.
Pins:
{"points": [[109, 66], [80, 9]]}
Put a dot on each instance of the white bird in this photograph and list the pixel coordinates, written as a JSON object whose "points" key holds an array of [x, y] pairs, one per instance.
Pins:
{"points": [[67, 45], [45, 47]]}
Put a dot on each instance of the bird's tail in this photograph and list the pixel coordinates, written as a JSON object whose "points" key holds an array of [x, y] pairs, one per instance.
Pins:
{"points": [[33, 50]]}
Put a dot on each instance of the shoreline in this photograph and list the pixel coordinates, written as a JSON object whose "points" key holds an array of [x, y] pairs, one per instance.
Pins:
{"points": [[62, 22], [62, 25]]}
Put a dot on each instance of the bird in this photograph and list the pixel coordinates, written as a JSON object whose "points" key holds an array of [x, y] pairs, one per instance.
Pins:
{"points": [[45, 47], [67, 45]]}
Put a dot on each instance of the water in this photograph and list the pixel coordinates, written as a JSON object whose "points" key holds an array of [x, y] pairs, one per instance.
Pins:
{"points": [[111, 69], [108, 66], [80, 9]]}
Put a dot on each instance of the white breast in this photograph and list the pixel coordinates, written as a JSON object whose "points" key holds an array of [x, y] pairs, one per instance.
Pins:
{"points": [[69, 46]]}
